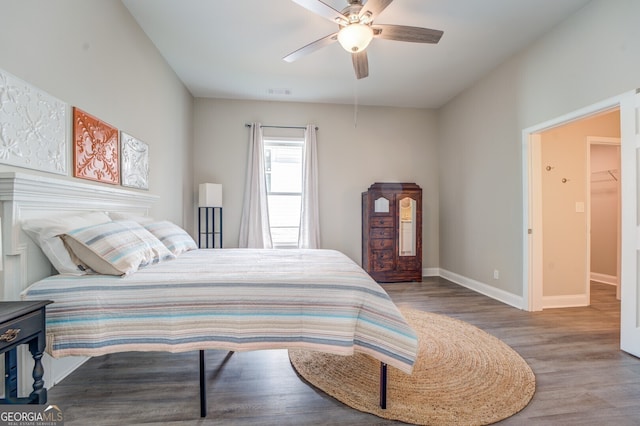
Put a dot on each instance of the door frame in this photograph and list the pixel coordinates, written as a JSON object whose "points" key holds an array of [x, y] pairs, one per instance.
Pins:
{"points": [[532, 197]]}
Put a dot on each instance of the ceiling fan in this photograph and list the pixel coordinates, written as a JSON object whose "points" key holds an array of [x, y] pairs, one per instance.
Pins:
{"points": [[356, 30]]}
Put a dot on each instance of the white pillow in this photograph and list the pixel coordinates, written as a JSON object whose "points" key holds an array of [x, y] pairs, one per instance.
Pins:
{"points": [[116, 248], [44, 232], [172, 236]]}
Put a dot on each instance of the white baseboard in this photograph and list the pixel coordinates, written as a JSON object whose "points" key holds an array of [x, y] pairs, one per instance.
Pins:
{"points": [[482, 288], [59, 368], [604, 278], [567, 301]]}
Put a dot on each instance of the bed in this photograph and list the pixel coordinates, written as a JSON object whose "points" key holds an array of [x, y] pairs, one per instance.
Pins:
{"points": [[231, 299]]}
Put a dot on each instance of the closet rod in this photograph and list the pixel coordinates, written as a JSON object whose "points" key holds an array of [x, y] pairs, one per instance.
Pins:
{"points": [[610, 172], [281, 127]]}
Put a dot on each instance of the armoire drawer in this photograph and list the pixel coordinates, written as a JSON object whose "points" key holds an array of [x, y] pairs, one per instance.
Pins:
{"points": [[381, 233], [382, 260], [381, 222], [381, 244]]}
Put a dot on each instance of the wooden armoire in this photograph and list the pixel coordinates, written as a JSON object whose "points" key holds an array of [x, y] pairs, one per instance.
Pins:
{"points": [[392, 232]]}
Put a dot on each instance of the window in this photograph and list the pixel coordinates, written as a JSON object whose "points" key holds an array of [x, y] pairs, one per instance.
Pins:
{"points": [[283, 169]]}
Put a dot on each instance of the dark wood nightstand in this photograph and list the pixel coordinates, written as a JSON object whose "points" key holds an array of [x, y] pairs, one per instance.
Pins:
{"points": [[23, 323]]}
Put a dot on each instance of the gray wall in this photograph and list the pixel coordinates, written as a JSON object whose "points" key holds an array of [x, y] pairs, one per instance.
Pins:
{"points": [[93, 55], [388, 144], [592, 56]]}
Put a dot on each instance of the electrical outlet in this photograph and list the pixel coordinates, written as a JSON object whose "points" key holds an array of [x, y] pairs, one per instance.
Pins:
{"points": [[496, 274]]}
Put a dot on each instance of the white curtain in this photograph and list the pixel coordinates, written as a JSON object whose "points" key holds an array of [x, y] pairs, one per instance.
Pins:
{"points": [[254, 223], [309, 234]]}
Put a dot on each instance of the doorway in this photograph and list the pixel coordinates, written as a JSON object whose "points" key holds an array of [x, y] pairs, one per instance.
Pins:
{"points": [[628, 105], [562, 203]]}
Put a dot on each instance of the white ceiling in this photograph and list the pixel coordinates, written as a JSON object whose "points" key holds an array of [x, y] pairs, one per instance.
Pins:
{"points": [[233, 49]]}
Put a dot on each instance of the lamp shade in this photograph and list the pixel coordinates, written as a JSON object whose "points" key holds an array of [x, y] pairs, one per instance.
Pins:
{"points": [[355, 37], [210, 195]]}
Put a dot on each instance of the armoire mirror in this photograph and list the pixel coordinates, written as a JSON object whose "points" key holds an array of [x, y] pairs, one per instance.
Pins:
{"points": [[407, 221]]}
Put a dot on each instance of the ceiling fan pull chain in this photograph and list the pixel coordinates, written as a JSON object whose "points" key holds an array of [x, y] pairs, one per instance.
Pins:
{"points": [[355, 104]]}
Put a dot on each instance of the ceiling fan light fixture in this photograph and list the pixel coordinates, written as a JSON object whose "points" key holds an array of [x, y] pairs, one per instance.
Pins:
{"points": [[355, 37]]}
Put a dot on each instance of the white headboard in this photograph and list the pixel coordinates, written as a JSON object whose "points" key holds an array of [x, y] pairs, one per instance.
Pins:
{"points": [[26, 196]]}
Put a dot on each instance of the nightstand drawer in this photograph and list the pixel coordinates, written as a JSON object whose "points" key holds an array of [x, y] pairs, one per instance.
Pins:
{"points": [[23, 323], [20, 329]]}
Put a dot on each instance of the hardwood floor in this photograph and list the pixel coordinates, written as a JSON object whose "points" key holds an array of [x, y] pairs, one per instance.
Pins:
{"points": [[582, 377]]}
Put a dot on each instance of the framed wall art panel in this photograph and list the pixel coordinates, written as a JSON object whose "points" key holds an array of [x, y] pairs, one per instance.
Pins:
{"points": [[135, 162], [96, 150], [33, 127]]}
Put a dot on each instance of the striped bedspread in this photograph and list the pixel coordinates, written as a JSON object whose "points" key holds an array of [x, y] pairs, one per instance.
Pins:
{"points": [[231, 299]]}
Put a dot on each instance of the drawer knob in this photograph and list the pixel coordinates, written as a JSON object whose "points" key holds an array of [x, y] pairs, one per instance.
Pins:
{"points": [[9, 335]]}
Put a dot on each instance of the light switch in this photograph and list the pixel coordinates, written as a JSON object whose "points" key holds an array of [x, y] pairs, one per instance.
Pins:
{"points": [[579, 206]]}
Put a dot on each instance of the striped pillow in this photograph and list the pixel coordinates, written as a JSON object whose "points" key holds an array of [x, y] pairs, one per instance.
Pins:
{"points": [[115, 248], [45, 231], [172, 236]]}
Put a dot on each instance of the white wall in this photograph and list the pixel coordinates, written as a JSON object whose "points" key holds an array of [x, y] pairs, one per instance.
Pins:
{"points": [[388, 144], [592, 56], [93, 55]]}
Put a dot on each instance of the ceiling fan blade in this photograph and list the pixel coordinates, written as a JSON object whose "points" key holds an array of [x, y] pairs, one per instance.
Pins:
{"points": [[404, 33], [323, 9], [311, 47], [360, 64], [373, 8]]}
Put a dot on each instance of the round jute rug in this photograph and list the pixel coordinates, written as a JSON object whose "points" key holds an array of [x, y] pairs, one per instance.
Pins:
{"points": [[463, 376]]}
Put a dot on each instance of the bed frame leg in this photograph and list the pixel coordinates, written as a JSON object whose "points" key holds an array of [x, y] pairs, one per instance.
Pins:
{"points": [[383, 385], [203, 388]]}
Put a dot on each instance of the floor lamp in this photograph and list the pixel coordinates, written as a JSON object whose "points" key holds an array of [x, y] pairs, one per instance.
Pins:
{"points": [[210, 215]]}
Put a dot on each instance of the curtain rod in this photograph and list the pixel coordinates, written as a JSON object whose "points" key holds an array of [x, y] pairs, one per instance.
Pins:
{"points": [[281, 127]]}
